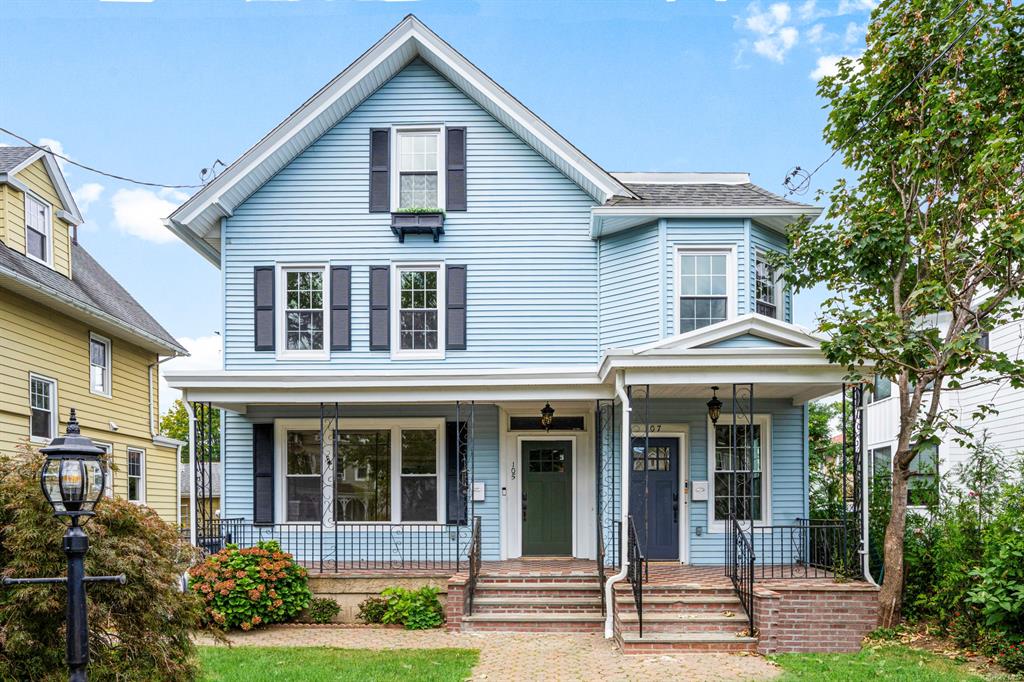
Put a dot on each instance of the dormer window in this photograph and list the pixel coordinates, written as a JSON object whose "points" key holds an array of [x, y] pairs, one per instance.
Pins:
{"points": [[418, 182], [38, 230]]}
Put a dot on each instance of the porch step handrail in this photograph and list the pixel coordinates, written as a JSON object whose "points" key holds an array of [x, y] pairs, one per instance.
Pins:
{"points": [[474, 566], [636, 572], [741, 568]]}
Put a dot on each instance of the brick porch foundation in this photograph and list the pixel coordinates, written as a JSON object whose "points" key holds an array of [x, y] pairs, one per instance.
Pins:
{"points": [[813, 616]]}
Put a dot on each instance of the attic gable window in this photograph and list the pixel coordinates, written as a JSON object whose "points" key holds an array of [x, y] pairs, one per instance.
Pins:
{"points": [[38, 229], [418, 182]]}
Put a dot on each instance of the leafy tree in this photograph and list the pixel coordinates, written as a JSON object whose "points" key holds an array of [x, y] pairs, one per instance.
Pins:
{"points": [[922, 250], [174, 424], [825, 460]]}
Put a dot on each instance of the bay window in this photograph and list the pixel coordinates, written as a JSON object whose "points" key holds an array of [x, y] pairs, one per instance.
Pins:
{"points": [[384, 470], [767, 288], [705, 287]]}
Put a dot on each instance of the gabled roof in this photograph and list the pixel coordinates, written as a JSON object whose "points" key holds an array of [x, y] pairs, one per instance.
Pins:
{"points": [[13, 160], [777, 333], [93, 295], [698, 195], [197, 220]]}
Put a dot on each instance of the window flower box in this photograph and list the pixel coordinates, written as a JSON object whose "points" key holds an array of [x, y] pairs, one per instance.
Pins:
{"points": [[420, 222]]}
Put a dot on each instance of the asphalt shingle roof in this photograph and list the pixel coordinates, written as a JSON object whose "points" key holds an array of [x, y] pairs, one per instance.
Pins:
{"points": [[10, 157], [92, 286], [702, 195]]}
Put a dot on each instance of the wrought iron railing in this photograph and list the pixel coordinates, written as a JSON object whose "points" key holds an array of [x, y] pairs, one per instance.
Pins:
{"points": [[474, 566], [636, 572], [809, 548], [355, 546], [740, 568]]}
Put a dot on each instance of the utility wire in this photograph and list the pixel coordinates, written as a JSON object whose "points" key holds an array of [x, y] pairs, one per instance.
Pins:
{"points": [[806, 177], [96, 170]]}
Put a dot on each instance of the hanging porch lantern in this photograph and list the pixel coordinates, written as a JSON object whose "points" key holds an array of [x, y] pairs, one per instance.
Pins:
{"points": [[547, 416], [714, 406]]}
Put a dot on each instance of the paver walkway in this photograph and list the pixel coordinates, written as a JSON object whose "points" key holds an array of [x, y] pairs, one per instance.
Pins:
{"points": [[513, 657]]}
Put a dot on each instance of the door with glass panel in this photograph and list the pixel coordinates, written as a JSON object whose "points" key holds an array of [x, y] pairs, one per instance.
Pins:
{"points": [[654, 496]]}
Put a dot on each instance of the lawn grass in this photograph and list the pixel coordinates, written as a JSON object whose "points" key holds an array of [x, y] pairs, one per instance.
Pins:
{"points": [[320, 664], [886, 662]]}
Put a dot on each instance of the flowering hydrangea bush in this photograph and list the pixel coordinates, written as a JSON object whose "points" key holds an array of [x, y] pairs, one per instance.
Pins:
{"points": [[243, 588]]}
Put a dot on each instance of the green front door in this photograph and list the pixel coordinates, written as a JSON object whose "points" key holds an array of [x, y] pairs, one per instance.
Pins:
{"points": [[547, 497]]}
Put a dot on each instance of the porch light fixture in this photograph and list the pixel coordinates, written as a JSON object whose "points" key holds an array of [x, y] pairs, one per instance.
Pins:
{"points": [[547, 416], [714, 406]]}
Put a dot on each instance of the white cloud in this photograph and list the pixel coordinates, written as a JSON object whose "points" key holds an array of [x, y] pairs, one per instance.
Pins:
{"points": [[57, 148], [828, 65], [854, 33], [853, 6], [205, 354], [775, 35], [87, 195], [809, 11], [817, 34], [140, 212]]}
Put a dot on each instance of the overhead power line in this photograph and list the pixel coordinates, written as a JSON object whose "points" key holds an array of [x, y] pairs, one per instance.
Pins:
{"points": [[91, 169], [805, 176]]}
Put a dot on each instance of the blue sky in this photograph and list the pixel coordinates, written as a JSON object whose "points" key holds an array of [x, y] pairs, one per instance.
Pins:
{"points": [[158, 90]]}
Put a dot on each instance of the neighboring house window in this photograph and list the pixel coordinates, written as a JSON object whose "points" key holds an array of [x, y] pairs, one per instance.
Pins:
{"points": [[397, 469], [705, 286], [740, 475], [136, 475], [43, 404], [418, 158], [881, 459], [99, 365], [303, 493], [880, 390], [983, 341], [767, 289], [108, 469], [923, 484], [304, 311], [417, 319], [38, 229]]}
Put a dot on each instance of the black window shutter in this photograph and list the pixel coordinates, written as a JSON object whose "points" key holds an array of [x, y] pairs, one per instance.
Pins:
{"points": [[341, 307], [380, 307], [263, 307], [455, 168], [455, 314], [380, 170], [263, 473], [456, 478]]}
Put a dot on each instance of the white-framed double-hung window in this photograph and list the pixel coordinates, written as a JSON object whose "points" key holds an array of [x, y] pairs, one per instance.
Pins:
{"points": [[137, 475], [705, 286], [384, 471], [768, 291], [38, 230], [302, 324], [417, 305], [43, 408], [740, 464], [99, 365], [418, 180]]}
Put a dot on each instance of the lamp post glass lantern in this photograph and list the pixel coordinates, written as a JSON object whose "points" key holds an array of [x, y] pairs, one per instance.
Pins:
{"points": [[73, 480]]}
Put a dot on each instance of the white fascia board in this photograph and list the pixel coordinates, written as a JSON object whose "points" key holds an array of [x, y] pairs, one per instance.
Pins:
{"points": [[430, 47], [203, 247], [221, 397], [632, 216], [167, 441], [748, 323]]}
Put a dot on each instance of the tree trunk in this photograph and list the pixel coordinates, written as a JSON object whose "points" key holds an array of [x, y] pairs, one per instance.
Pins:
{"points": [[890, 599]]}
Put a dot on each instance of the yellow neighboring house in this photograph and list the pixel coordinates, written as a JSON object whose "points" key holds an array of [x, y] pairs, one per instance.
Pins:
{"points": [[71, 336]]}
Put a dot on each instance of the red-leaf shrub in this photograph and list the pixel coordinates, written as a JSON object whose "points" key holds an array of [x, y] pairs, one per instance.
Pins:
{"points": [[243, 588]]}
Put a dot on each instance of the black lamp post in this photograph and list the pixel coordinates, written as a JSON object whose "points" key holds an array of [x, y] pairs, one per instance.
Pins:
{"points": [[714, 406], [73, 480]]}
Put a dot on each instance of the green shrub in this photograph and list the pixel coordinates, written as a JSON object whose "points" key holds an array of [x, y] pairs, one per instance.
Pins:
{"points": [[372, 610], [998, 588], [244, 588], [415, 609], [141, 630], [322, 610], [1007, 652]]}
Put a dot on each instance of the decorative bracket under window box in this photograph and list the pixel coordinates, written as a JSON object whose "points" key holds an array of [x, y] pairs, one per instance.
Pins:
{"points": [[417, 223]]}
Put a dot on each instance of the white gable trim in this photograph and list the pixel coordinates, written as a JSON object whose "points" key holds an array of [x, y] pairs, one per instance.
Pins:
{"points": [[70, 214], [753, 324], [196, 218]]}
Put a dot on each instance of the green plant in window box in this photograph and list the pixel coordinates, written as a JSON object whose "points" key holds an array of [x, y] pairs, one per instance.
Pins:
{"points": [[421, 210]]}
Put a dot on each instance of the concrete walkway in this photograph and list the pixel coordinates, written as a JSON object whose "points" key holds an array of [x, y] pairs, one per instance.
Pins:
{"points": [[514, 657]]}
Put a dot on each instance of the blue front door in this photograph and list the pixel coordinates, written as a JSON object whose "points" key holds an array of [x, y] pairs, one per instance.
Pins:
{"points": [[654, 497]]}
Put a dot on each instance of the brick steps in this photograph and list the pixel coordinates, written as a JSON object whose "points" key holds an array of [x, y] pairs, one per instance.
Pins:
{"points": [[666, 642], [684, 623], [545, 603], [536, 603], [534, 622], [660, 604]]}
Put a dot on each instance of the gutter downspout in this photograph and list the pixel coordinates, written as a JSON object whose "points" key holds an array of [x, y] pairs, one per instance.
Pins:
{"points": [[620, 391], [152, 422], [191, 467]]}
